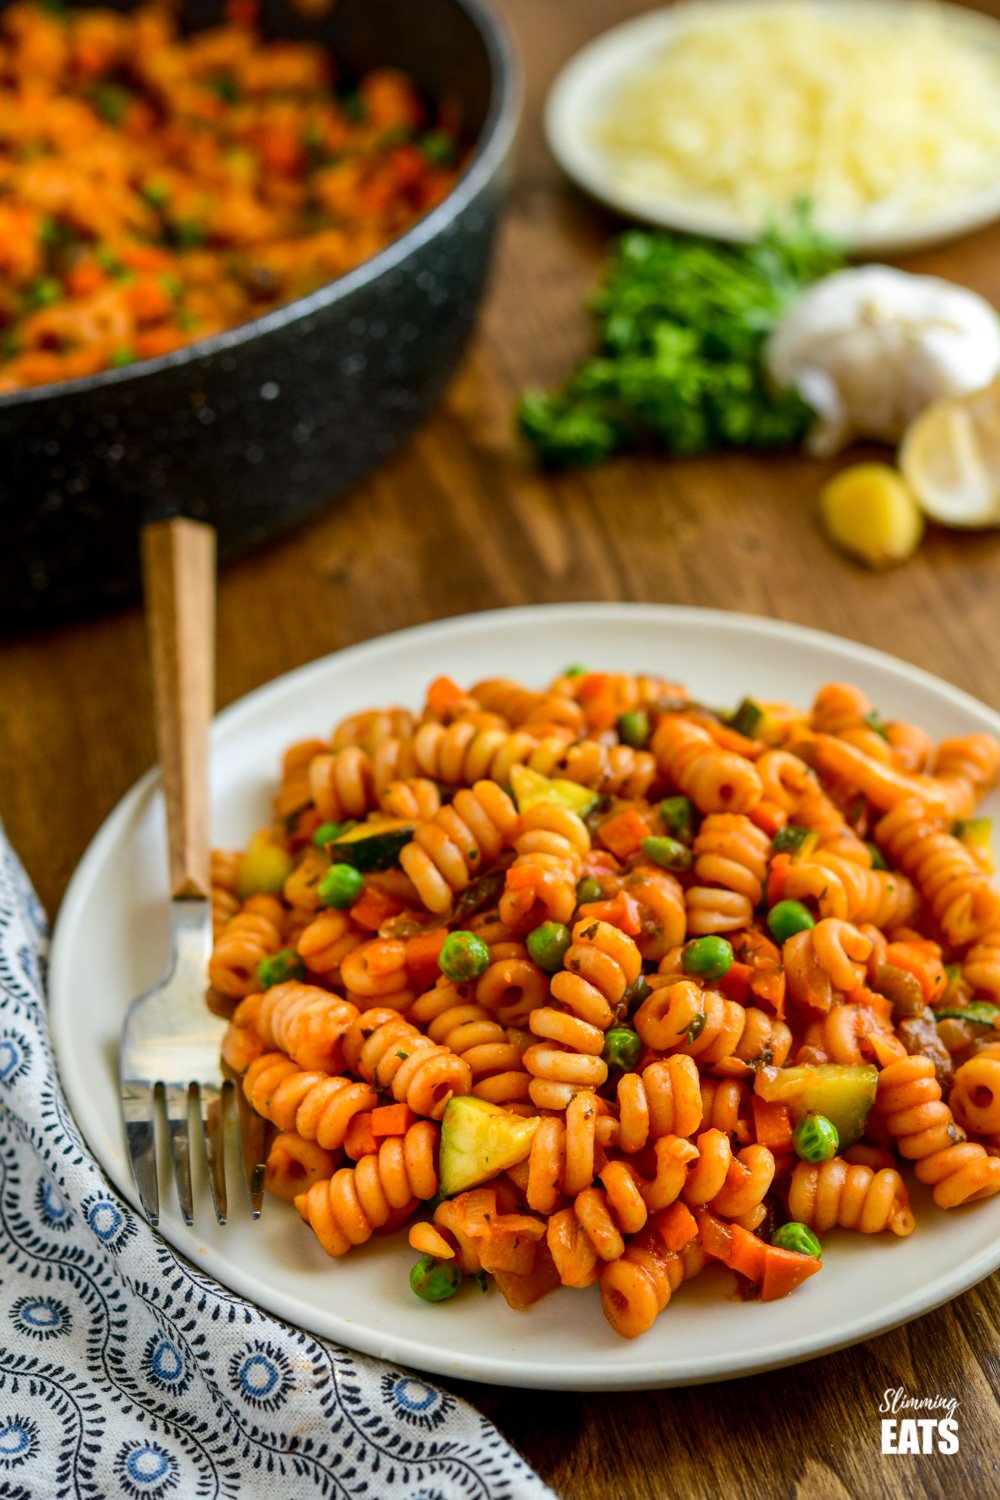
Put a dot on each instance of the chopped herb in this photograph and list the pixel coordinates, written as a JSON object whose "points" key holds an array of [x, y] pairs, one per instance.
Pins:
{"points": [[225, 85], [874, 721], [681, 328], [353, 105], [789, 840], [981, 1013], [118, 358], [878, 858], [155, 193], [696, 1027]]}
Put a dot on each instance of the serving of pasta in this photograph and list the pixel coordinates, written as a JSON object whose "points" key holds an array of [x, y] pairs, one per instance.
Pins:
{"points": [[156, 188], [595, 985]]}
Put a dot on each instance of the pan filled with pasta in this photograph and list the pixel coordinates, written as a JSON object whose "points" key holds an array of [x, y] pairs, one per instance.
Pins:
{"points": [[241, 249]]}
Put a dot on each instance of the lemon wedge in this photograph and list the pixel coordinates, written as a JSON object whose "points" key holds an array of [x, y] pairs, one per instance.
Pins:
{"points": [[950, 458]]}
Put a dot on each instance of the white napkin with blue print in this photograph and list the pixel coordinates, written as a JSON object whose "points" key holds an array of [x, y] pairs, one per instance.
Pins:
{"points": [[125, 1372]]}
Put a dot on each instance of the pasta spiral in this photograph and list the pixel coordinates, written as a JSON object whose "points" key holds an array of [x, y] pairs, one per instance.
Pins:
{"points": [[386, 1185], [730, 866], [459, 841], [306, 1022], [251, 935], [717, 781], [469, 1030], [313, 1104], [383, 1048], [541, 883], [835, 1194], [910, 1105], [637, 1287], [962, 898], [598, 967], [975, 1097]]}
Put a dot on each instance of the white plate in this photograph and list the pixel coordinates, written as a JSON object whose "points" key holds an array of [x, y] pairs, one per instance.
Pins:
{"points": [[581, 93], [111, 943]]}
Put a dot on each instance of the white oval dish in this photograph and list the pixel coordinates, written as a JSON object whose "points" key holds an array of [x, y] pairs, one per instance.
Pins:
{"points": [[581, 92], [111, 942]]}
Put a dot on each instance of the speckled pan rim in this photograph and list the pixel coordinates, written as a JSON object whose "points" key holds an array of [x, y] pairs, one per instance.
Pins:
{"points": [[492, 145], [651, 1362]]}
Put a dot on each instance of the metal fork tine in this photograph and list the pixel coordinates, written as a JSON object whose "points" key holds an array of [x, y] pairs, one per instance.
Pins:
{"points": [[254, 1136], [138, 1105], [176, 1097], [212, 1104]]}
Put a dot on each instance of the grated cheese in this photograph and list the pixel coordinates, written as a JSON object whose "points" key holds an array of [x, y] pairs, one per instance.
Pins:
{"points": [[871, 115]]}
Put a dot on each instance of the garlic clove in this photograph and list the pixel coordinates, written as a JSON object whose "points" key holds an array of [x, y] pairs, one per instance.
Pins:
{"points": [[950, 458]]}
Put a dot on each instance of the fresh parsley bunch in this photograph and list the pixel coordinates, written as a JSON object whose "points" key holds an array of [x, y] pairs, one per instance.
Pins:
{"points": [[681, 326]]}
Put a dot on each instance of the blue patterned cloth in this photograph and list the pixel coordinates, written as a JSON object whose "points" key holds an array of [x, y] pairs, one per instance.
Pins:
{"points": [[125, 1372]]}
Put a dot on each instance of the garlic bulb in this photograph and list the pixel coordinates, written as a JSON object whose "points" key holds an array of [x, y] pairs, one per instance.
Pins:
{"points": [[869, 348]]}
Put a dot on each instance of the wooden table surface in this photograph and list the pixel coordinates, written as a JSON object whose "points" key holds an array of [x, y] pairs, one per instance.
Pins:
{"points": [[461, 521]]}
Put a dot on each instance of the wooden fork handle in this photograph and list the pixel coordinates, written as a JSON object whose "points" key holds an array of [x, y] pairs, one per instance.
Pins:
{"points": [[178, 564]]}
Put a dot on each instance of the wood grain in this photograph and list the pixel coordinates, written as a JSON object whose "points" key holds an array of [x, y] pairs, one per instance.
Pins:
{"points": [[178, 564], [460, 520]]}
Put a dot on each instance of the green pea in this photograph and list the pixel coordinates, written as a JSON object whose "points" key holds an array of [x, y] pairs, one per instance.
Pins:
{"points": [[119, 358], [435, 1280], [815, 1138], [669, 854], [575, 671], [709, 957], [679, 816], [341, 886], [633, 728], [588, 890], [797, 1237], [789, 840], [464, 956], [279, 967], [622, 1047], [547, 945], [787, 918], [327, 832]]}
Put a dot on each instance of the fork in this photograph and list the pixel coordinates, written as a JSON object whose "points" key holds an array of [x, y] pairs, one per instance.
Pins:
{"points": [[170, 1043]]}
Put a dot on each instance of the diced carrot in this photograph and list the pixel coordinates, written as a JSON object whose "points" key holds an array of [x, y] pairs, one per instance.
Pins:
{"points": [[148, 299], [373, 907], [772, 1123], [522, 1291], [622, 911], [503, 1250], [600, 695], [360, 1139], [427, 1240], [735, 983], [83, 279], [784, 1270], [675, 1225], [748, 1254], [442, 695], [768, 816], [391, 1119], [624, 833], [777, 875], [716, 1236], [422, 952]]}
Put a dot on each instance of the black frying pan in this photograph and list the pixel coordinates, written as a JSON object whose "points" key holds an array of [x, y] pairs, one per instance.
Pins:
{"points": [[258, 427]]}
